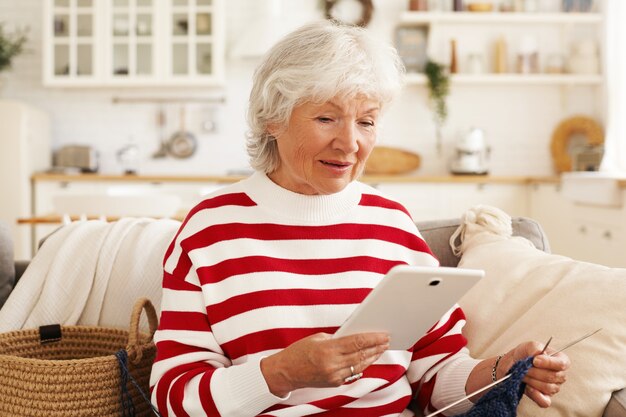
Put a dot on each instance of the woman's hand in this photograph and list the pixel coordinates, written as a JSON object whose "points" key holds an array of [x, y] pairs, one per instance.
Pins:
{"points": [[545, 377], [320, 361]]}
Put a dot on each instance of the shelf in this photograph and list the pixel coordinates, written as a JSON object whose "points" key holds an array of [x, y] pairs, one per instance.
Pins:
{"points": [[499, 17], [521, 79]]}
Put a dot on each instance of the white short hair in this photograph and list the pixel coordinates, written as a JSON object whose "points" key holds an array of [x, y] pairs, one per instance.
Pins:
{"points": [[316, 63]]}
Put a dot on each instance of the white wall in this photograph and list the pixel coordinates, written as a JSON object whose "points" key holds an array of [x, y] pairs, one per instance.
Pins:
{"points": [[517, 119]]}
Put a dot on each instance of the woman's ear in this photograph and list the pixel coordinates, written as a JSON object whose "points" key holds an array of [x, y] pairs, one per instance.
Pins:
{"points": [[274, 129]]}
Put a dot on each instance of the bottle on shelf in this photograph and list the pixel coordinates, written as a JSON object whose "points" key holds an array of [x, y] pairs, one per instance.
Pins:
{"points": [[500, 57], [453, 60], [457, 5], [528, 55], [507, 6], [418, 5]]}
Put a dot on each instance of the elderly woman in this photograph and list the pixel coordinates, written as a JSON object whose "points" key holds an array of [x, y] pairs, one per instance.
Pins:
{"points": [[262, 272]]}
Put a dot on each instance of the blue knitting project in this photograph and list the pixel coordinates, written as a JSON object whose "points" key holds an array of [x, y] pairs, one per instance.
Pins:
{"points": [[502, 400]]}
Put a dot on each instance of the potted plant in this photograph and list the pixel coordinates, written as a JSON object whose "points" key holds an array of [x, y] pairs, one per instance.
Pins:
{"points": [[439, 88], [11, 45]]}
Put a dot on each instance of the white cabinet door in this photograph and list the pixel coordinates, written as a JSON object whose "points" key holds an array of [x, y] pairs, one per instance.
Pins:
{"points": [[111, 195], [72, 42], [133, 42], [582, 232], [193, 39], [431, 201], [553, 212], [599, 235]]}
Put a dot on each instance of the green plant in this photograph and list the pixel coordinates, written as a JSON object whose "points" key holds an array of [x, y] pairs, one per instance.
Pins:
{"points": [[11, 45], [439, 88]]}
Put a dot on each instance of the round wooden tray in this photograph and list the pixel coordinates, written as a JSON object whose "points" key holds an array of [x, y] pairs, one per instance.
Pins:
{"points": [[391, 161]]}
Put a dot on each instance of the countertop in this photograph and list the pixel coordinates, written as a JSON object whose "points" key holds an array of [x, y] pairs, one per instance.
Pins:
{"points": [[371, 179]]}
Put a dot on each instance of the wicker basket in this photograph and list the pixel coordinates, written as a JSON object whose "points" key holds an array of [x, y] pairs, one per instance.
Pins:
{"points": [[78, 374]]}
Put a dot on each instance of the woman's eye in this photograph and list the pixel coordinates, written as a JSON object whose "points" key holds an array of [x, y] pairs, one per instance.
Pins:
{"points": [[325, 119], [367, 123]]}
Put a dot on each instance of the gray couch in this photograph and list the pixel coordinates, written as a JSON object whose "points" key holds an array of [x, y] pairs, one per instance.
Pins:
{"points": [[436, 233], [10, 270]]}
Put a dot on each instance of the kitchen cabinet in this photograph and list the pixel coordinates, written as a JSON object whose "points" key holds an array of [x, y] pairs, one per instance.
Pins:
{"points": [[117, 196], [585, 232], [133, 43], [431, 201], [556, 30]]}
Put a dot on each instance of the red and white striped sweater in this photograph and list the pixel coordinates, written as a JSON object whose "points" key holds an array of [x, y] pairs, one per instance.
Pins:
{"points": [[254, 268]]}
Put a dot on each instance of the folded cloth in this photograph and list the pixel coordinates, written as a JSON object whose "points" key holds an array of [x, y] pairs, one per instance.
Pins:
{"points": [[70, 280]]}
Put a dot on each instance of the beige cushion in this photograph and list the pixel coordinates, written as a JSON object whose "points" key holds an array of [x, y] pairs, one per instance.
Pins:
{"points": [[528, 294]]}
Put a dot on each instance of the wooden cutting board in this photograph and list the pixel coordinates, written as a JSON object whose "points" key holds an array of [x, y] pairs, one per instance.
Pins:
{"points": [[386, 160]]}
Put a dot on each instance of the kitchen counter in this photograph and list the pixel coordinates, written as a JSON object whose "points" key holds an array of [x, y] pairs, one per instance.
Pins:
{"points": [[370, 179]]}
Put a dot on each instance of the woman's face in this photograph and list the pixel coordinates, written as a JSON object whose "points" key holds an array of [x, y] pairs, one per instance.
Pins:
{"points": [[324, 147]]}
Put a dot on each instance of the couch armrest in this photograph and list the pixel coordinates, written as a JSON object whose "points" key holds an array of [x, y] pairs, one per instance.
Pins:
{"points": [[617, 405], [20, 267]]}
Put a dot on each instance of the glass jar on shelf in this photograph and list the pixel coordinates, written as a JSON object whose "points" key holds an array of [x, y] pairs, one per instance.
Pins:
{"points": [[528, 55]]}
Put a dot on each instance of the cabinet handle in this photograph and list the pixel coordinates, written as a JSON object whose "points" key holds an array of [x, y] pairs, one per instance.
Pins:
{"points": [[582, 229], [607, 235]]}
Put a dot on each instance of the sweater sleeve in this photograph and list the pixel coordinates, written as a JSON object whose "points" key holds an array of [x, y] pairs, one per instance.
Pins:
{"points": [[191, 374], [441, 355]]}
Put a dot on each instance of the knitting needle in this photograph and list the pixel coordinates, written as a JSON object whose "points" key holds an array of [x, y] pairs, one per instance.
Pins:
{"points": [[546, 346], [580, 339], [486, 387], [459, 401]]}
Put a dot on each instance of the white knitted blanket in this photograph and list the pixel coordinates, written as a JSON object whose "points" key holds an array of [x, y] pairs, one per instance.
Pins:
{"points": [[91, 273]]}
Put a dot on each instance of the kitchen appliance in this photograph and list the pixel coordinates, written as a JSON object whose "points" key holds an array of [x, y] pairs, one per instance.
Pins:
{"points": [[471, 154], [82, 157], [24, 150]]}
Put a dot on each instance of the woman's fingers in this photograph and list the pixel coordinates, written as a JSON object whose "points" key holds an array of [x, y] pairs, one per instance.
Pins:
{"points": [[548, 376], [538, 397], [321, 361], [546, 388], [365, 357], [361, 350], [558, 362], [358, 342], [548, 373]]}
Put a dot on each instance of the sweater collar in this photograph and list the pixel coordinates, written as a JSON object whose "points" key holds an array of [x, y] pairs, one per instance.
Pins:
{"points": [[300, 207]]}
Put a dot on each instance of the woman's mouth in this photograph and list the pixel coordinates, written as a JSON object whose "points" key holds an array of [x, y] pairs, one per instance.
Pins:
{"points": [[336, 164]]}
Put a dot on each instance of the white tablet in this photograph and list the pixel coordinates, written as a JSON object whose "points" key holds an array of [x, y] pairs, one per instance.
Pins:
{"points": [[408, 301]]}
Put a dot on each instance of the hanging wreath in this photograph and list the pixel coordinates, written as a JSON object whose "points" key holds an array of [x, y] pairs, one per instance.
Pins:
{"points": [[334, 10], [568, 129]]}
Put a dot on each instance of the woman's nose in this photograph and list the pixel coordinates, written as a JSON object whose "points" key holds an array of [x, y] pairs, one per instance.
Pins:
{"points": [[347, 138]]}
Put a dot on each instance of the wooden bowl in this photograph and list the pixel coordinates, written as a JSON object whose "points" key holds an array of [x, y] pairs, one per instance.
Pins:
{"points": [[391, 161]]}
